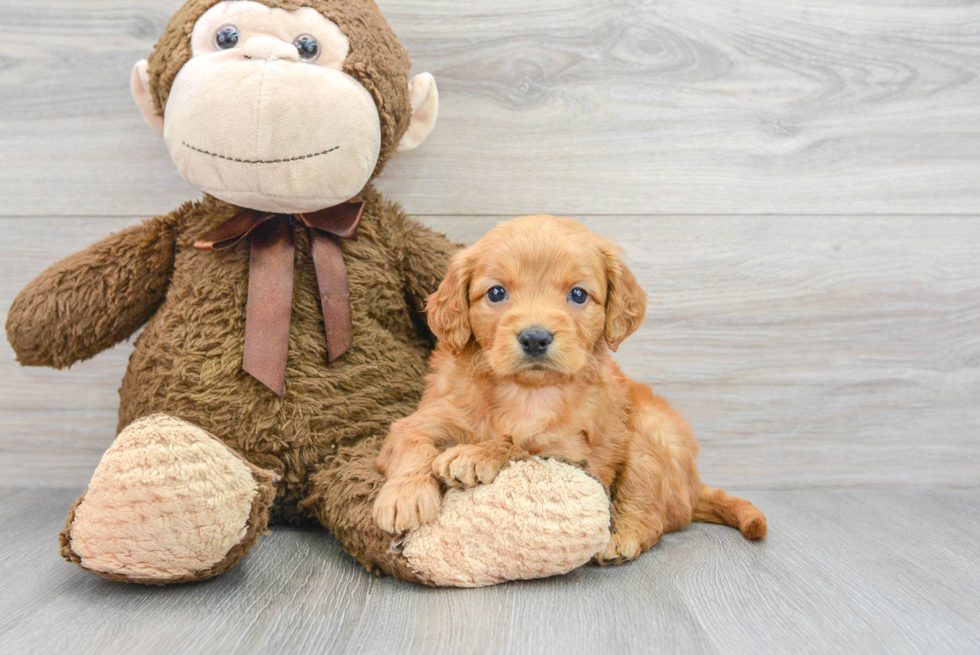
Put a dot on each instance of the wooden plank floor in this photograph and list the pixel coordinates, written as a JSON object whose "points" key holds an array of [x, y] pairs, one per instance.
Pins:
{"points": [[796, 184], [870, 571]]}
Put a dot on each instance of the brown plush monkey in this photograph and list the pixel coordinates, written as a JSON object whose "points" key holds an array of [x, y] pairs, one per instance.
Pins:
{"points": [[284, 316]]}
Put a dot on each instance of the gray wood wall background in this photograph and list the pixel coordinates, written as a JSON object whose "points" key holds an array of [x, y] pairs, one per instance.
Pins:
{"points": [[795, 182]]}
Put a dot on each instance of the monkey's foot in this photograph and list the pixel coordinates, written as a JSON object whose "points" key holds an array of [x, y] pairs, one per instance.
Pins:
{"points": [[538, 518], [168, 503]]}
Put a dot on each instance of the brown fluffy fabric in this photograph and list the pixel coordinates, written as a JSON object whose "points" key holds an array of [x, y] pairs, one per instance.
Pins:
{"points": [[342, 496], [117, 284], [322, 436], [377, 58]]}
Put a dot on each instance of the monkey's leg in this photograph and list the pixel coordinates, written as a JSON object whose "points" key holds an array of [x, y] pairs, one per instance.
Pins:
{"points": [[342, 497], [536, 519], [168, 503]]}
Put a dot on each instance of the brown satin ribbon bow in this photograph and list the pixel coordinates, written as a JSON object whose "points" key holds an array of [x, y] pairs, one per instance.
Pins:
{"points": [[270, 282]]}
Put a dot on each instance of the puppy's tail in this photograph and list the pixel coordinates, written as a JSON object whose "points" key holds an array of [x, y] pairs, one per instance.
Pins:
{"points": [[716, 506]]}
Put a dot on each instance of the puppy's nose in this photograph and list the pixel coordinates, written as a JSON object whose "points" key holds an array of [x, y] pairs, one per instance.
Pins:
{"points": [[535, 341]]}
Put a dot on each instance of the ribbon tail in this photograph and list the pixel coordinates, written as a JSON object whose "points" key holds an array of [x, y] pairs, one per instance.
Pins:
{"points": [[331, 277], [269, 305]]}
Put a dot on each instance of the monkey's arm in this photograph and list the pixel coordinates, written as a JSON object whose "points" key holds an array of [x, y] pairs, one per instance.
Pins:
{"points": [[423, 257], [426, 259], [95, 298]]}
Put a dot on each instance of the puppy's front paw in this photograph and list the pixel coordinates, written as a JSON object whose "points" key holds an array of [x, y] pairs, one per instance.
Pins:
{"points": [[623, 547], [471, 464], [407, 503]]}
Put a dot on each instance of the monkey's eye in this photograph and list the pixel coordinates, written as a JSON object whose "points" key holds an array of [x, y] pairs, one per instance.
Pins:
{"points": [[226, 37], [497, 294], [308, 48], [578, 295]]}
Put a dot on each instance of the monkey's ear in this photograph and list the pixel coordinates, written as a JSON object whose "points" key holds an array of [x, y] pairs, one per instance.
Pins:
{"points": [[425, 108], [139, 84]]}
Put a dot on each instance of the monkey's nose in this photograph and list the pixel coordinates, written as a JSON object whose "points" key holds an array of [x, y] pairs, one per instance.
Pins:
{"points": [[535, 341], [265, 47]]}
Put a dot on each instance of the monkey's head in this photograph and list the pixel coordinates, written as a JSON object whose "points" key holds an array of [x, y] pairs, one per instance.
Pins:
{"points": [[283, 105]]}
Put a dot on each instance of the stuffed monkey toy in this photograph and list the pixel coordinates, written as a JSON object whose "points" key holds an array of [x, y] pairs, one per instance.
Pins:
{"points": [[284, 318]]}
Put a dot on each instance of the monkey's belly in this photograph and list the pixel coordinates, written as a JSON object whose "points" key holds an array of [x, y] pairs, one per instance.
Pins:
{"points": [[188, 365]]}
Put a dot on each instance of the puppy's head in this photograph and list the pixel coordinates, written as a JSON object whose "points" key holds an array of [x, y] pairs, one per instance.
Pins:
{"points": [[539, 295]]}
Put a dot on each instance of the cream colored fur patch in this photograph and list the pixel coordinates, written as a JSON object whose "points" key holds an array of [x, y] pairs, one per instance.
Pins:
{"points": [[167, 500], [538, 518]]}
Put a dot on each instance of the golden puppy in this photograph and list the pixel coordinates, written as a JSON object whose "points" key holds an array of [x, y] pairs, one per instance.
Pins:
{"points": [[525, 320]]}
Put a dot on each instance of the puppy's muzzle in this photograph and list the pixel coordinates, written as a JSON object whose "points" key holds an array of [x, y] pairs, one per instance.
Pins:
{"points": [[535, 341]]}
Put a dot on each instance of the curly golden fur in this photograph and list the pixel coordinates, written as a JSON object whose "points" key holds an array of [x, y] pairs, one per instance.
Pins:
{"points": [[497, 394]]}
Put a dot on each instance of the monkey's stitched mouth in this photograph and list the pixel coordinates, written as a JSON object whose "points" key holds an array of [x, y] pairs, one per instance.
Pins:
{"points": [[259, 161]]}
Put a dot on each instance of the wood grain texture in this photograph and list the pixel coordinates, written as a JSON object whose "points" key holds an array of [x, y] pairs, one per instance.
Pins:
{"points": [[796, 184], [869, 571], [561, 106], [806, 352]]}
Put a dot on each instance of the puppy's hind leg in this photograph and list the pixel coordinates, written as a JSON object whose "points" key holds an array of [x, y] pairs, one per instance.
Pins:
{"points": [[639, 513], [716, 506]]}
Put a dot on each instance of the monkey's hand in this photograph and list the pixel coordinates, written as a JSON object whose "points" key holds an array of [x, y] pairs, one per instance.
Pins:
{"points": [[95, 298]]}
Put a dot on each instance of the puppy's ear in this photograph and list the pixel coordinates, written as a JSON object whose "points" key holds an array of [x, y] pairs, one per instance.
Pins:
{"points": [[626, 302], [448, 308]]}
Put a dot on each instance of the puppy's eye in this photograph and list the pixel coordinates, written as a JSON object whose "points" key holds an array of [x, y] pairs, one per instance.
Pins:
{"points": [[226, 37], [497, 294], [309, 51], [578, 295]]}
